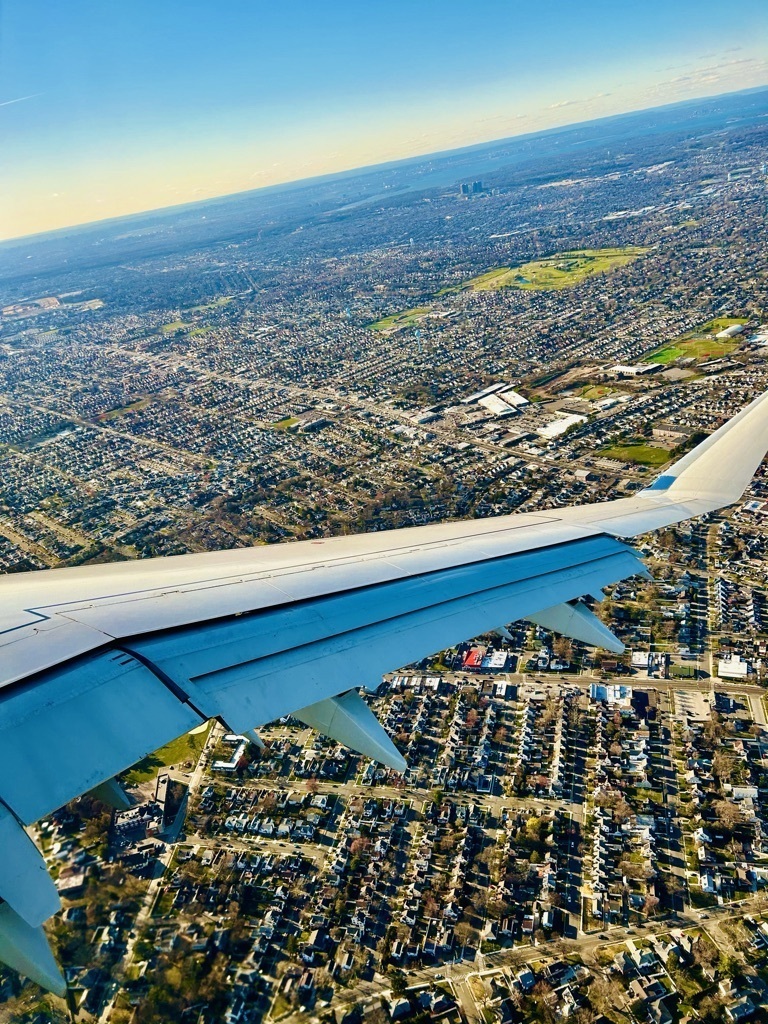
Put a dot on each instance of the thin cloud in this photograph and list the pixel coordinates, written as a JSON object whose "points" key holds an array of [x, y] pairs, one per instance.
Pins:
{"points": [[20, 99], [713, 72], [573, 103]]}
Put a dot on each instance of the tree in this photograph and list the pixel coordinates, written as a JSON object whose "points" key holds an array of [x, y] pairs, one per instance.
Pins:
{"points": [[605, 994], [724, 765], [431, 907], [674, 884], [712, 1010], [730, 966], [398, 981], [536, 828], [541, 998], [728, 814], [480, 900], [466, 934], [650, 903], [563, 648], [635, 870]]}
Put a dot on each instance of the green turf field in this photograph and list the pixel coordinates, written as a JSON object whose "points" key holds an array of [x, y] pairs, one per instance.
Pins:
{"points": [[645, 454]]}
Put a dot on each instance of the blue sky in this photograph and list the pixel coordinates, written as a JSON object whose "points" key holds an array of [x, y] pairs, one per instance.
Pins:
{"points": [[109, 107]]}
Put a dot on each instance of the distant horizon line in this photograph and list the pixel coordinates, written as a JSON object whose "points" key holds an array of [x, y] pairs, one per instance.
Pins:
{"points": [[290, 183]]}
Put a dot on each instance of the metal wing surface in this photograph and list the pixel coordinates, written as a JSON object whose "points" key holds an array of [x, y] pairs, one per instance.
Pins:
{"points": [[101, 665]]}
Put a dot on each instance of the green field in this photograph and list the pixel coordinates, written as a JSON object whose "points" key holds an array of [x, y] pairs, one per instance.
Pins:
{"points": [[285, 423], [212, 305], [699, 344], [397, 320], [720, 323], [136, 406], [700, 349], [563, 270], [645, 454], [682, 671], [177, 325], [594, 392], [185, 748]]}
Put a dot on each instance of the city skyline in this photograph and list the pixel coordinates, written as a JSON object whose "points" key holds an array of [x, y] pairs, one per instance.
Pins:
{"points": [[106, 113]]}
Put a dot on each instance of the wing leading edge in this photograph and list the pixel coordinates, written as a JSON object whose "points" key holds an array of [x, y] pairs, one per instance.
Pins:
{"points": [[117, 660]]}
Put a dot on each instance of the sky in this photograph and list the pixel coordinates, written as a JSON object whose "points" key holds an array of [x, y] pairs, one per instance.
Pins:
{"points": [[109, 108]]}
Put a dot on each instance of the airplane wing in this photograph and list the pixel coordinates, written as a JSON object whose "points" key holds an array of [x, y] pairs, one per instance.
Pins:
{"points": [[101, 665]]}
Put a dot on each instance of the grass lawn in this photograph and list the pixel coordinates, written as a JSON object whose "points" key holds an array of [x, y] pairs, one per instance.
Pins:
{"points": [[701, 899], [687, 986], [185, 748], [163, 905], [645, 454], [177, 325], [563, 270], [397, 320], [720, 323], [212, 305], [285, 423], [142, 403]]}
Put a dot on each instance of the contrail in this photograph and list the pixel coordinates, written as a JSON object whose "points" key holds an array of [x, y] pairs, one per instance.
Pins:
{"points": [[20, 99]]}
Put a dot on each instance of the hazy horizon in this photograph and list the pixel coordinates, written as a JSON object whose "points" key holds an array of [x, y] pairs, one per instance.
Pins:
{"points": [[108, 113]]}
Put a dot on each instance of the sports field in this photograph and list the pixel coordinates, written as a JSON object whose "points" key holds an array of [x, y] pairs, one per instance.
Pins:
{"points": [[644, 454], [396, 320], [594, 392], [563, 270], [699, 344], [285, 423]]}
